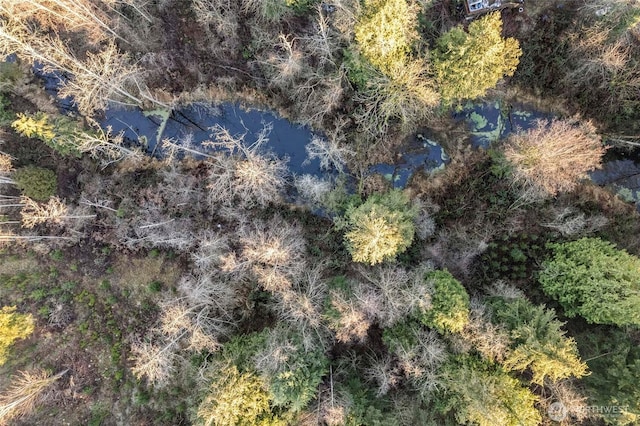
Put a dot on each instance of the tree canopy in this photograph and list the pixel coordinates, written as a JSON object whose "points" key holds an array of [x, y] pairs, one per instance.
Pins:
{"points": [[380, 228], [592, 278], [449, 311], [468, 63], [479, 393], [538, 342], [385, 32], [235, 399]]}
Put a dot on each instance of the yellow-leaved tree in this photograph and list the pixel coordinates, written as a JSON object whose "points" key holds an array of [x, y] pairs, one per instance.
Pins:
{"points": [[13, 326], [392, 82], [236, 398], [385, 32], [380, 228], [467, 64]]}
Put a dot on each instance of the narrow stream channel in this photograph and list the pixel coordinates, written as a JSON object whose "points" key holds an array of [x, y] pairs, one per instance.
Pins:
{"points": [[487, 122]]}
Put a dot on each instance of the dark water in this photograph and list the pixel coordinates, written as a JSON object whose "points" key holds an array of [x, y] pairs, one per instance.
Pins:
{"points": [[420, 154], [489, 122], [192, 124], [621, 173], [52, 82]]}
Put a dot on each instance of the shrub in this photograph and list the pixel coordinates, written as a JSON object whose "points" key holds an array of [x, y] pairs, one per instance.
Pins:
{"points": [[359, 70], [591, 278], [380, 228], [300, 6], [449, 304], [511, 256], [36, 182], [468, 63], [6, 115], [554, 156], [13, 326]]}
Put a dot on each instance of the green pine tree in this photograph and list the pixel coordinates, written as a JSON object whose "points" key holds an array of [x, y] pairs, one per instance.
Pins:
{"points": [[591, 278]]}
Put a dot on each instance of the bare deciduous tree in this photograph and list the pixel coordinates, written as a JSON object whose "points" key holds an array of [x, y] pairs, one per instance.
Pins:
{"points": [[398, 291], [54, 211], [351, 323], [554, 155], [409, 97], [384, 372], [312, 189], [196, 320], [490, 340], [246, 176], [105, 76], [304, 68], [104, 146], [72, 15], [153, 227], [303, 304], [220, 17], [570, 222], [154, 362], [24, 393], [568, 394], [6, 165], [329, 151], [211, 249], [273, 251], [420, 362]]}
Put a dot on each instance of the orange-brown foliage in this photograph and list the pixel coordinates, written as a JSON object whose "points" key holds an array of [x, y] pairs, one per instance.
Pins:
{"points": [[554, 156]]}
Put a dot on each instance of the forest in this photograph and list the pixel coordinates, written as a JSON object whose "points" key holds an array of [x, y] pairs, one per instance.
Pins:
{"points": [[306, 212]]}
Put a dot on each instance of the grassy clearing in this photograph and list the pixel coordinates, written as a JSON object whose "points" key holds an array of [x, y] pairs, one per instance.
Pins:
{"points": [[85, 322]]}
